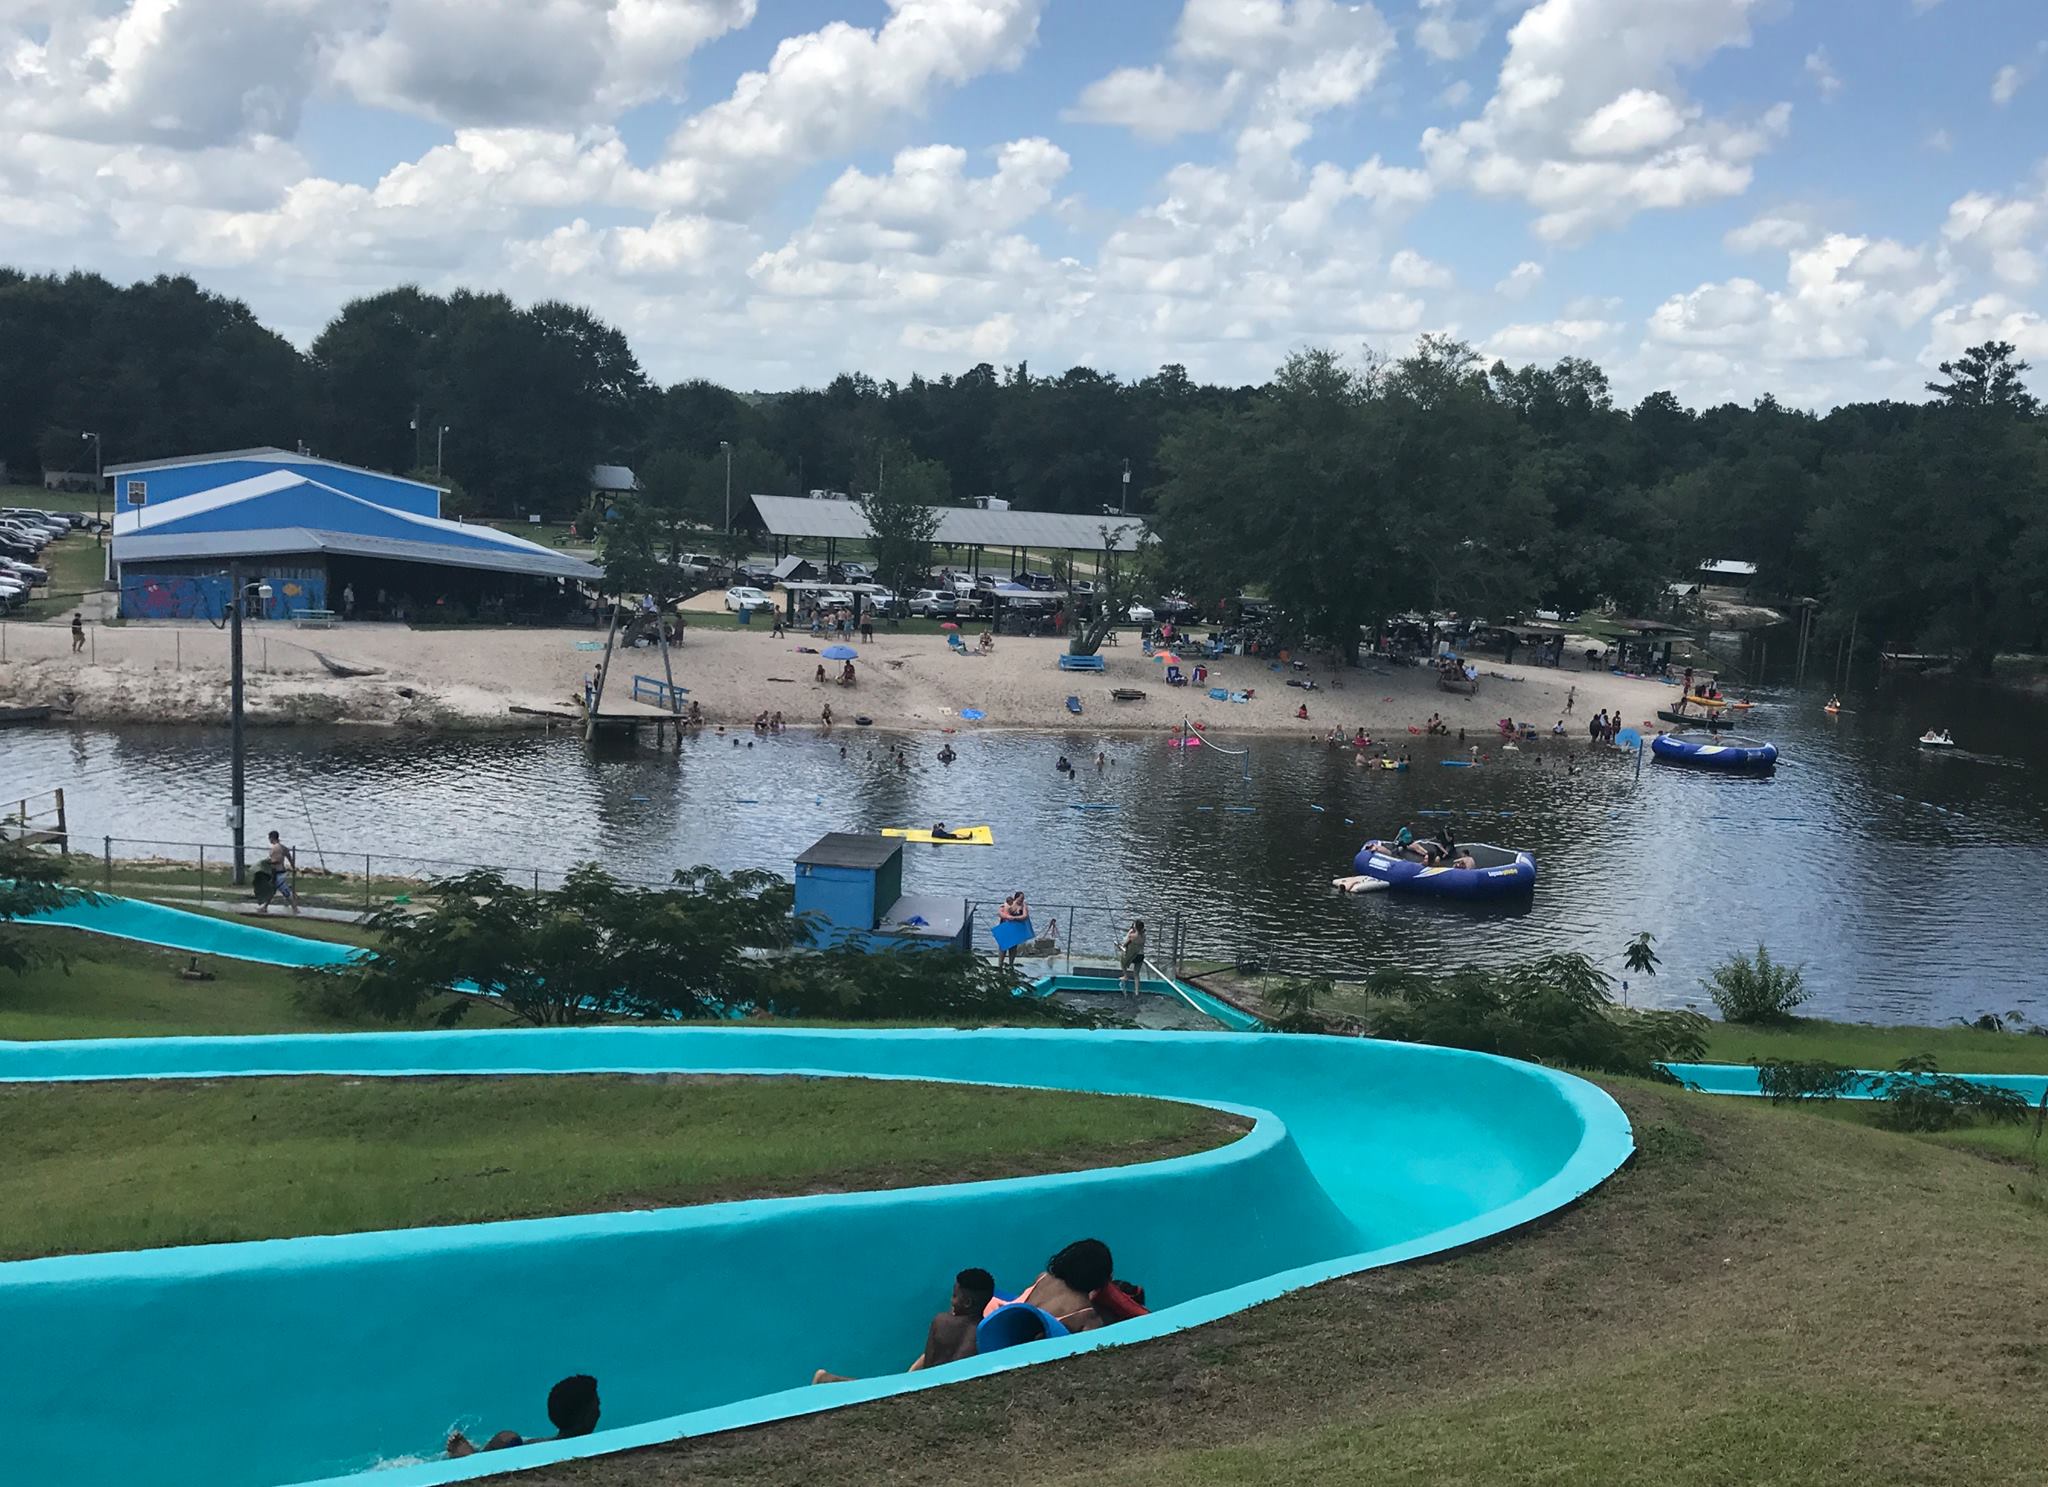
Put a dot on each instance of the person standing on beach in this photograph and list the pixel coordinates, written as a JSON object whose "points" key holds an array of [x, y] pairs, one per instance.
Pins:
{"points": [[77, 632], [348, 601], [1569, 698], [1013, 911]]}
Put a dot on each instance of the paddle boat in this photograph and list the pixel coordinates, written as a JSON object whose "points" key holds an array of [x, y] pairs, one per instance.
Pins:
{"points": [[1497, 872], [1933, 740], [1727, 752]]}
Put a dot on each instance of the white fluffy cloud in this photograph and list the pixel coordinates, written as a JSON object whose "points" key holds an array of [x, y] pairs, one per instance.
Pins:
{"points": [[1588, 123], [2008, 234], [199, 73], [1445, 34], [1280, 61], [1772, 230], [1822, 71], [1521, 280]]}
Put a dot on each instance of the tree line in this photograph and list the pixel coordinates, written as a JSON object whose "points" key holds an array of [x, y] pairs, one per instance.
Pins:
{"points": [[1345, 488]]}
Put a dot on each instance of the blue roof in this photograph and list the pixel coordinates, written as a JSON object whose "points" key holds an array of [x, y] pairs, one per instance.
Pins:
{"points": [[284, 512]]}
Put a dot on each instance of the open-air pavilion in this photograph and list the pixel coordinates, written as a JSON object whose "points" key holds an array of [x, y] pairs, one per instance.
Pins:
{"points": [[967, 530]]}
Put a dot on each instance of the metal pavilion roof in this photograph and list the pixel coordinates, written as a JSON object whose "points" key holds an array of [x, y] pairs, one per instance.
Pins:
{"points": [[959, 526]]}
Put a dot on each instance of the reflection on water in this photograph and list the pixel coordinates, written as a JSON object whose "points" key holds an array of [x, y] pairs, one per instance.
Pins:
{"points": [[1907, 882]]}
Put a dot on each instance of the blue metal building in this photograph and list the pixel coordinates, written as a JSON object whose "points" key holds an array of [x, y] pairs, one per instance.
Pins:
{"points": [[324, 547], [158, 481]]}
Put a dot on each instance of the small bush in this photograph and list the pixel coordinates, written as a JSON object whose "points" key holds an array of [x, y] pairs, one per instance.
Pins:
{"points": [[1794, 1081], [1921, 1098], [1555, 1010], [1756, 991]]}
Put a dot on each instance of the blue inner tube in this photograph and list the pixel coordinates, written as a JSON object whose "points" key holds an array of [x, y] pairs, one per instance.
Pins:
{"points": [[1498, 873], [1725, 751]]}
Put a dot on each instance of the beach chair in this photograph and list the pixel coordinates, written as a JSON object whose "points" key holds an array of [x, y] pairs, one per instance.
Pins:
{"points": [[955, 643], [1174, 678]]}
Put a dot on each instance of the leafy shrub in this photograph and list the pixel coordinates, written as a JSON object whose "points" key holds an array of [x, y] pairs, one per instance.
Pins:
{"points": [[712, 946], [1553, 1010], [31, 882], [1922, 1098], [1756, 991], [1792, 1081], [1294, 1002]]}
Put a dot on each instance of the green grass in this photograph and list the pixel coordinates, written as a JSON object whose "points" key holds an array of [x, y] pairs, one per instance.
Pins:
{"points": [[140, 1164], [35, 498], [107, 988], [76, 567], [1761, 1296], [181, 883], [1957, 1050]]}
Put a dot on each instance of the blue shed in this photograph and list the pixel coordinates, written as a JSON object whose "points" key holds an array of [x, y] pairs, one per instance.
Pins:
{"points": [[850, 886], [159, 481]]}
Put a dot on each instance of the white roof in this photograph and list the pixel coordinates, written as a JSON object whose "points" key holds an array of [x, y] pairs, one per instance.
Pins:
{"points": [[959, 526], [1730, 567], [137, 533], [612, 478], [267, 454]]}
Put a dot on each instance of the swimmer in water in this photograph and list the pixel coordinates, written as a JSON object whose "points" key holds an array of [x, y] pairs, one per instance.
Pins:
{"points": [[572, 1410]]}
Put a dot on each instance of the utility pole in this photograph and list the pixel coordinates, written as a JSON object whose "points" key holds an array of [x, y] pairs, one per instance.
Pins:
{"points": [[98, 480], [726, 445], [235, 717], [440, 433], [1123, 505]]}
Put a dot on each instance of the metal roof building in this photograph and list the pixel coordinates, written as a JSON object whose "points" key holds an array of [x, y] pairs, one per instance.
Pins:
{"points": [[153, 482], [959, 526], [314, 543]]}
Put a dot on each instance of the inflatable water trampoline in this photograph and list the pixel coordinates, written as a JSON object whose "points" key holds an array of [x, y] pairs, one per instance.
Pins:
{"points": [[1722, 751], [1496, 872]]}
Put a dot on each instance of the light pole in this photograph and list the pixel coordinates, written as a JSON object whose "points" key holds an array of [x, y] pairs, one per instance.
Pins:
{"points": [[98, 479], [726, 445], [237, 599], [440, 433], [1123, 505]]}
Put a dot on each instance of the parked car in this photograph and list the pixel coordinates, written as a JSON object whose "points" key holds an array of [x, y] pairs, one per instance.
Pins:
{"points": [[706, 567], [963, 586], [755, 575], [935, 604], [833, 599], [1547, 614], [745, 596], [28, 573], [850, 573], [1044, 582], [1174, 607], [1140, 614]]}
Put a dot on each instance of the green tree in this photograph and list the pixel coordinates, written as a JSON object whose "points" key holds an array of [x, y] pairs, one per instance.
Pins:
{"points": [[31, 882], [594, 948], [901, 518]]}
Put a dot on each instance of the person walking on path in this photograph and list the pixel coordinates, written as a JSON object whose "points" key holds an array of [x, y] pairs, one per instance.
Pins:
{"points": [[282, 862], [77, 632]]}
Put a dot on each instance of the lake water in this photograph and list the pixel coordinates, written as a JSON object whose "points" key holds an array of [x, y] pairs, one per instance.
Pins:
{"points": [[1910, 885]]}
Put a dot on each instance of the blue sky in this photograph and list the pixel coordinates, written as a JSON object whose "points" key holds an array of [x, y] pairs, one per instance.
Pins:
{"points": [[1812, 198]]}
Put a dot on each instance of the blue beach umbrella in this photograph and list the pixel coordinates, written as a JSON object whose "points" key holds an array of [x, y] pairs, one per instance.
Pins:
{"points": [[972, 714], [839, 653]]}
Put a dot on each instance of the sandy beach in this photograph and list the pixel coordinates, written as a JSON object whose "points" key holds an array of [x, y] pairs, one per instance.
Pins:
{"points": [[477, 678]]}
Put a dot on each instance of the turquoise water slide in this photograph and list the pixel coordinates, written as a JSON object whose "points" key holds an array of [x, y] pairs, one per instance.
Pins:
{"points": [[322, 1358]]}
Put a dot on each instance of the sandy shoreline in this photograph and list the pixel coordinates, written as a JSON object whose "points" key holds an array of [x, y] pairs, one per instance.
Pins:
{"points": [[456, 679]]}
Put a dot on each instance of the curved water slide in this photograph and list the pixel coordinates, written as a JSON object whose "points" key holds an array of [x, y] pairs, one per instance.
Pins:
{"points": [[320, 1359]]}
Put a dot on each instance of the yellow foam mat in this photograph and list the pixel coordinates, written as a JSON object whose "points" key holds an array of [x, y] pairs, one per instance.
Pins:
{"points": [[963, 836]]}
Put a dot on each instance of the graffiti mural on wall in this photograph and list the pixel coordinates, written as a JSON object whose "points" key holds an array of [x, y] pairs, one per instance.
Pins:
{"points": [[172, 596]]}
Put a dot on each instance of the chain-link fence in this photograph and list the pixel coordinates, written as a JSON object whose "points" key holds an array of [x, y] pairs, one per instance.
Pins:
{"points": [[1071, 936]]}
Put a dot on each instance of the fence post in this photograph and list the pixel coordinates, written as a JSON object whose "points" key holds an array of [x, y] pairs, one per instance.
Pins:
{"points": [[366, 882], [107, 856], [536, 882], [202, 873]]}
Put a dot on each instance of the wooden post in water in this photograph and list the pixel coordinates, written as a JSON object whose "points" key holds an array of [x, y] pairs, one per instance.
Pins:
{"points": [[604, 676]]}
